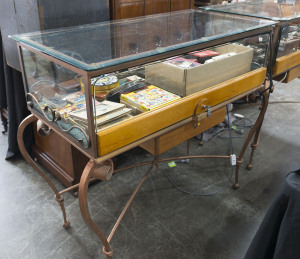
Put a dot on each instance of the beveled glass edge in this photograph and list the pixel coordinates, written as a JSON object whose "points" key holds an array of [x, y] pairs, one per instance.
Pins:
{"points": [[278, 19], [117, 61]]}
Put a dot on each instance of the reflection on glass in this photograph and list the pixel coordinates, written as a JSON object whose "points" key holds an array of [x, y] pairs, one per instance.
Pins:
{"points": [[58, 93], [289, 40], [124, 94], [95, 46], [54, 91], [283, 11], [279, 10]]}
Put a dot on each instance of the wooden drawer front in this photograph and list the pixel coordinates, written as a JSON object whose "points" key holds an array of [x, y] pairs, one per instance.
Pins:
{"points": [[291, 75], [183, 133], [63, 160], [131, 9], [177, 5], [286, 62], [158, 6], [145, 124]]}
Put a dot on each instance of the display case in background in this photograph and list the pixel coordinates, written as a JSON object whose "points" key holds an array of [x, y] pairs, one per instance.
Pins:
{"points": [[166, 84], [286, 45]]}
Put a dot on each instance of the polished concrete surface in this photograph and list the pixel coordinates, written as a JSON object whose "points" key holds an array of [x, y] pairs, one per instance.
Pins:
{"points": [[162, 222]]}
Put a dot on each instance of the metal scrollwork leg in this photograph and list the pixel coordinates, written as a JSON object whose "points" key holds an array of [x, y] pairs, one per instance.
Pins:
{"points": [[101, 171], [255, 130], [253, 147], [59, 198], [83, 203]]}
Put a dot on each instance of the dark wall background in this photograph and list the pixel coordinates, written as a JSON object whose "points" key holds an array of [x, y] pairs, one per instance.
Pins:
{"points": [[21, 16]]}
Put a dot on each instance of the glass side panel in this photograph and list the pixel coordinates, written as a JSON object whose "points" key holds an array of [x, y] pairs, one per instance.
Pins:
{"points": [[54, 91], [289, 40], [271, 9], [138, 90], [96, 46]]}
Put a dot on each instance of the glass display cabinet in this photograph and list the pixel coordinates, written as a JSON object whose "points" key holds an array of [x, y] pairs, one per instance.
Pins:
{"points": [[286, 54], [111, 86]]}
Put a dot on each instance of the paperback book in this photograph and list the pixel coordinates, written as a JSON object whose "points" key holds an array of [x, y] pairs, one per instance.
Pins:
{"points": [[100, 109], [107, 117]]}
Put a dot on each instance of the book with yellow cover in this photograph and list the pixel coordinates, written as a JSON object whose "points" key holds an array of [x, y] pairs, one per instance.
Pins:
{"points": [[149, 98]]}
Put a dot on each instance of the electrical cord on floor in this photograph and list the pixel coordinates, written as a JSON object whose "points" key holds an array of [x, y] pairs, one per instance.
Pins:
{"points": [[269, 69], [211, 193], [238, 133], [276, 102], [271, 102], [243, 123], [238, 128]]}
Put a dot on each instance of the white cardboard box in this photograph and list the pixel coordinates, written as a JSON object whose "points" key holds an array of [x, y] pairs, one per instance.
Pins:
{"points": [[184, 82]]}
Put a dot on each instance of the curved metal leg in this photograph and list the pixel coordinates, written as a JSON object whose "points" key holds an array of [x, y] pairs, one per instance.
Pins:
{"points": [[59, 198], [255, 130], [254, 146], [83, 203], [90, 171]]}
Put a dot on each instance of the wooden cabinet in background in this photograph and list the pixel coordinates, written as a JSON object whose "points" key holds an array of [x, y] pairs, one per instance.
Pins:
{"points": [[164, 32], [121, 9]]}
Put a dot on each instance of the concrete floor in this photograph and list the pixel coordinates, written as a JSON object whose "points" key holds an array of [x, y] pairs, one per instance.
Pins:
{"points": [[162, 222]]}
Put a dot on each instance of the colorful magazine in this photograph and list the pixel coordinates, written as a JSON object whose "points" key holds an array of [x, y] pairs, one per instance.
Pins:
{"points": [[182, 62], [149, 98], [75, 97]]}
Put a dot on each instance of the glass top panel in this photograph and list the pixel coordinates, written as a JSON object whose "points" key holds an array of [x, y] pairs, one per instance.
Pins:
{"points": [[101, 45], [277, 10]]}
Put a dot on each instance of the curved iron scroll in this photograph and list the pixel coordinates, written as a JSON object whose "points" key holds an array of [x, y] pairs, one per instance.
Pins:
{"points": [[55, 117]]}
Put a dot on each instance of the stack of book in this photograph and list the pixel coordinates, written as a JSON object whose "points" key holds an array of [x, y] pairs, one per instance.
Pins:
{"points": [[104, 112], [74, 102], [148, 98]]}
